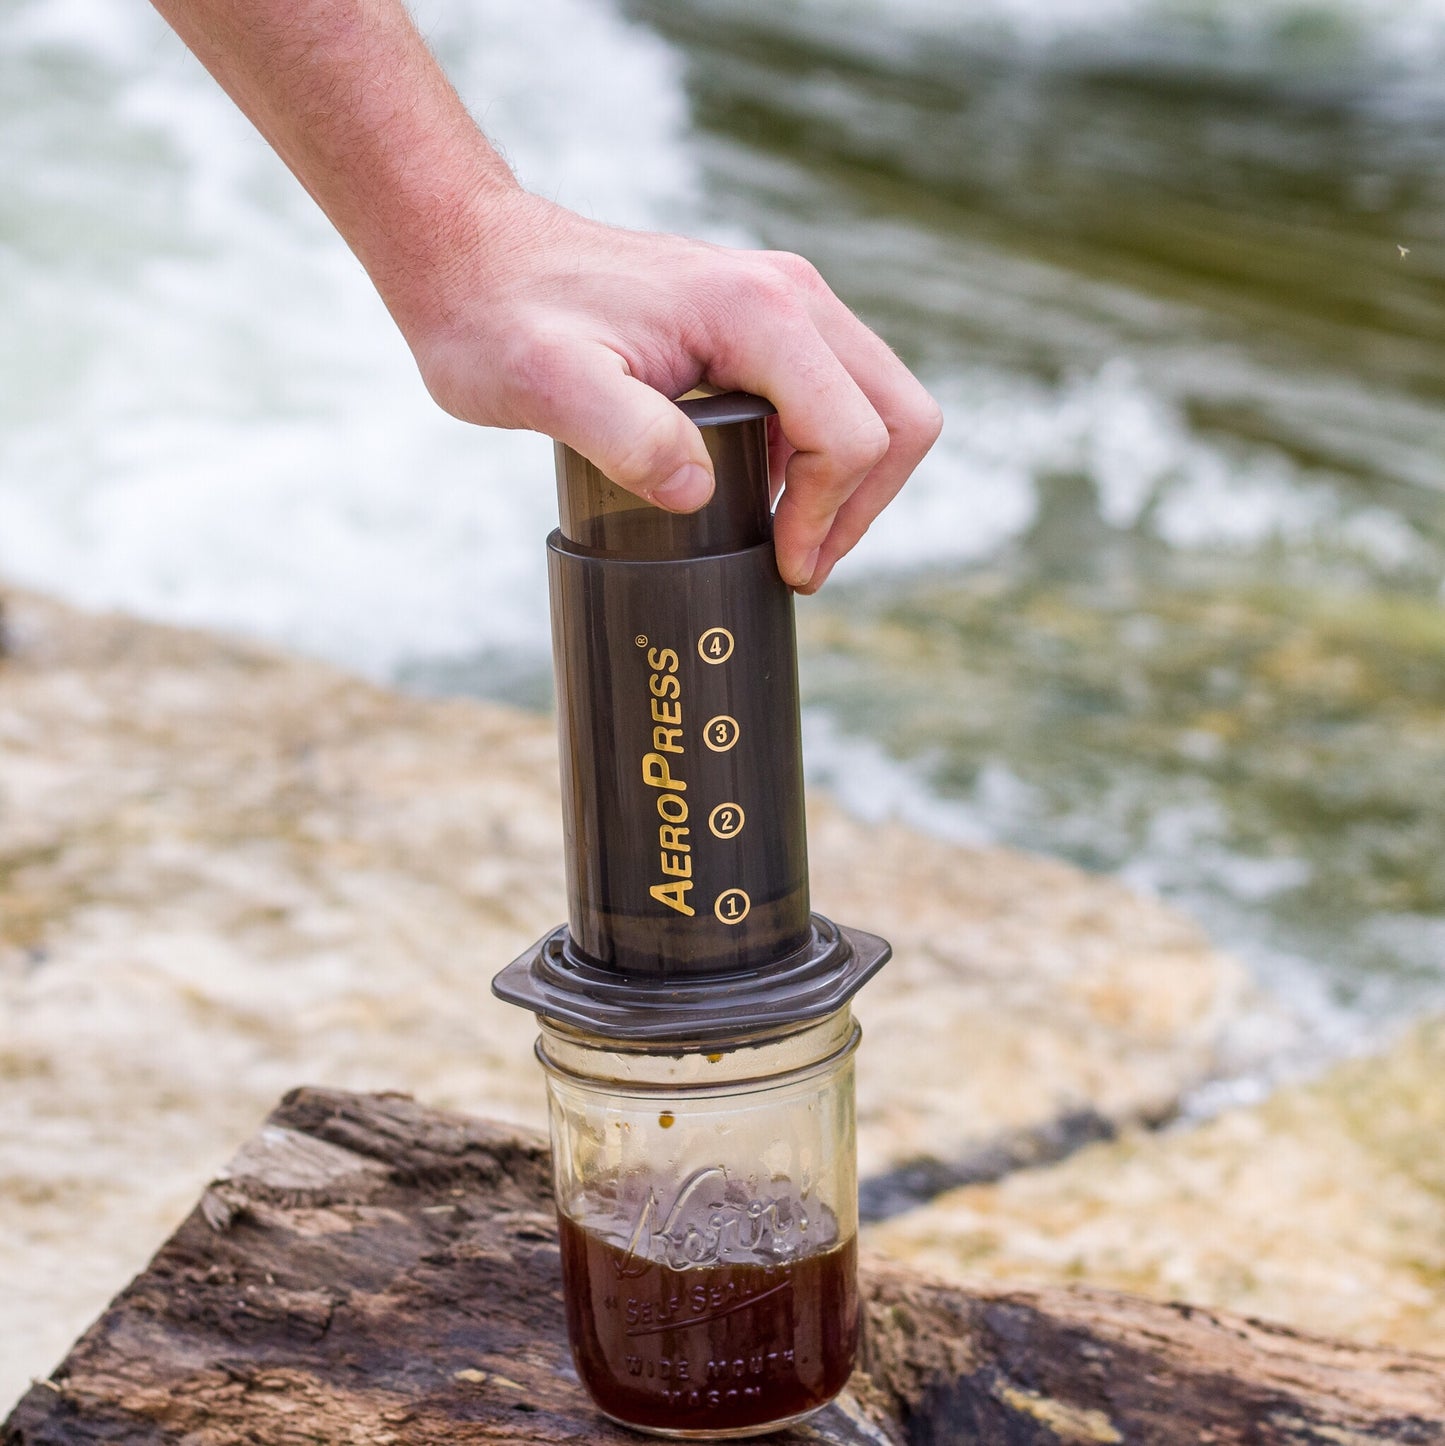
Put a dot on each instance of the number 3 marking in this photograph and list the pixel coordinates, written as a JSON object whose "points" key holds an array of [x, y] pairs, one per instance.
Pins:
{"points": [[720, 733]]}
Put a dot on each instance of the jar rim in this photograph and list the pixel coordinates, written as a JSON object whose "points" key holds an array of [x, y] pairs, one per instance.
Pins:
{"points": [[700, 1089]]}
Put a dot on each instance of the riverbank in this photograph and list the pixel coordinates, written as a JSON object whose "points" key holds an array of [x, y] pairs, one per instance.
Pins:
{"points": [[225, 871], [1320, 1208]]}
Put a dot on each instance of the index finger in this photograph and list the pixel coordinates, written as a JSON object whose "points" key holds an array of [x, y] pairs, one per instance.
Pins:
{"points": [[859, 422], [912, 417], [775, 349]]}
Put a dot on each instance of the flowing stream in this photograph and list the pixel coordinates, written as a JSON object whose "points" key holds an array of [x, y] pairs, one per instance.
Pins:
{"points": [[1166, 599]]}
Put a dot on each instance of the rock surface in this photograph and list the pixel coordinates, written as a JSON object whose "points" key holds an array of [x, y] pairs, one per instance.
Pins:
{"points": [[1324, 1208], [224, 872], [370, 1270]]}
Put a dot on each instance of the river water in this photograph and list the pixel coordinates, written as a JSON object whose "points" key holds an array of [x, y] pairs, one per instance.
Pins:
{"points": [[1165, 600]]}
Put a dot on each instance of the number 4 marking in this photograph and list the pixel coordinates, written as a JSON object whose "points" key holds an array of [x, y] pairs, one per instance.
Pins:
{"points": [[715, 645]]}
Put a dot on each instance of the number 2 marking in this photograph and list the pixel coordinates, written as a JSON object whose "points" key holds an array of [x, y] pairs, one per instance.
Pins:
{"points": [[726, 820]]}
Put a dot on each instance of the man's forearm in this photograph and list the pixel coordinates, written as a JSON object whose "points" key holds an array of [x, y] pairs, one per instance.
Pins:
{"points": [[350, 97], [522, 314]]}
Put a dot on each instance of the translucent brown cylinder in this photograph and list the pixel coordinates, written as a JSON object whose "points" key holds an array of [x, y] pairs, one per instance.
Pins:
{"points": [[696, 1028]]}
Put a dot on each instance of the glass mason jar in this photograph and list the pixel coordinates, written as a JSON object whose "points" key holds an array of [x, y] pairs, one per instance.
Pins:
{"points": [[707, 1205]]}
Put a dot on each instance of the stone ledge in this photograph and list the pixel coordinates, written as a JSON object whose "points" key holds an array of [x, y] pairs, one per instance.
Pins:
{"points": [[223, 869], [387, 1274]]}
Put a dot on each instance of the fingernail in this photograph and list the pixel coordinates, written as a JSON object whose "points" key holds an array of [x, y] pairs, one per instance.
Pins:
{"points": [[686, 490], [804, 574]]}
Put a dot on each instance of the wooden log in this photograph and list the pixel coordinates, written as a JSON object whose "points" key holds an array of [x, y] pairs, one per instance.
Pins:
{"points": [[371, 1271]]}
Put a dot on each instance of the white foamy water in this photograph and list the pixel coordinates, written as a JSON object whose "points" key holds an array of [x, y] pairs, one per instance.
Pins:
{"points": [[207, 416], [1188, 859], [977, 491], [1286, 38], [206, 413]]}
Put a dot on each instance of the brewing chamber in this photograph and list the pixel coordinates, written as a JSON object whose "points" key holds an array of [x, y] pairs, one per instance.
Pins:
{"points": [[696, 1030]]}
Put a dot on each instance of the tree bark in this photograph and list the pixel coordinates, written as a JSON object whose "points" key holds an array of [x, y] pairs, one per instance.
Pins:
{"points": [[371, 1271]]}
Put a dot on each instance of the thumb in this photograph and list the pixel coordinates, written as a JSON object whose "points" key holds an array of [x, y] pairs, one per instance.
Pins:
{"points": [[629, 431]]}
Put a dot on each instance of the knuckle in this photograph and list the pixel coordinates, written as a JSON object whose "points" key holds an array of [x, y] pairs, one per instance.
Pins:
{"points": [[798, 270], [861, 449], [928, 423], [767, 287], [533, 366], [914, 426], [829, 476], [727, 318]]}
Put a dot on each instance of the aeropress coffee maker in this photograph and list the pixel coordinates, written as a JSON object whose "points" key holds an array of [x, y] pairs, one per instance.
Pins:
{"points": [[695, 1024]]}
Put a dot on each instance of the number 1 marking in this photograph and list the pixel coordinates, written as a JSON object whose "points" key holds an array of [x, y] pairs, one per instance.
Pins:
{"points": [[732, 906]]}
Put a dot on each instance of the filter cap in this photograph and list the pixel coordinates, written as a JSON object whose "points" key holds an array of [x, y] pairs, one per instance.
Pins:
{"points": [[551, 979]]}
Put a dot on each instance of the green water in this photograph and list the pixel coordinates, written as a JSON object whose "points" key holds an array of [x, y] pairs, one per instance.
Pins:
{"points": [[1220, 669], [1167, 598]]}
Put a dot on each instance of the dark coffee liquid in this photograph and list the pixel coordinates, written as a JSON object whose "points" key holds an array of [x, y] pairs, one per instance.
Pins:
{"points": [[719, 1347]]}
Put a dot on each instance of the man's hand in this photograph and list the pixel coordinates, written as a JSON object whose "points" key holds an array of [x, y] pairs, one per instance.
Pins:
{"points": [[521, 314], [584, 332]]}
